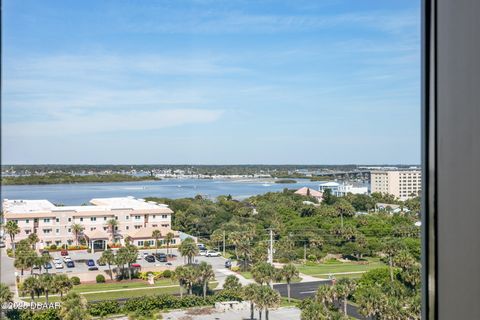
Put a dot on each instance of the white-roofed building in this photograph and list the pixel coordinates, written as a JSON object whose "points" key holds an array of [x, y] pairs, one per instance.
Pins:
{"points": [[53, 224]]}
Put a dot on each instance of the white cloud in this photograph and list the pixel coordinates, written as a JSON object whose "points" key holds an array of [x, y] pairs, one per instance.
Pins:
{"points": [[110, 122]]}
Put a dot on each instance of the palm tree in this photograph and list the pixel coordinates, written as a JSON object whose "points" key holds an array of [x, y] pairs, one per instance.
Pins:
{"points": [[6, 295], [11, 227], [191, 277], [128, 240], [263, 273], [62, 284], [109, 258], [47, 284], [131, 256], [112, 224], [344, 288], [74, 307], [168, 239], [205, 274], [271, 299], [266, 298], [232, 283], [248, 293], [30, 286], [188, 248], [77, 229], [156, 234], [33, 239], [180, 276], [325, 295], [390, 248], [289, 272]]}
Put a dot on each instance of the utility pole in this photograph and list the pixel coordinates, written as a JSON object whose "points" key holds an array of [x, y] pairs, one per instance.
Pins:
{"points": [[305, 252], [270, 251], [224, 243]]}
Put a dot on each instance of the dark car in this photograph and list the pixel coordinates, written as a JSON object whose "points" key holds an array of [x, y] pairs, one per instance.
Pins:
{"points": [[45, 252], [228, 264], [101, 263], [91, 265], [48, 265], [150, 258], [162, 257], [70, 264]]}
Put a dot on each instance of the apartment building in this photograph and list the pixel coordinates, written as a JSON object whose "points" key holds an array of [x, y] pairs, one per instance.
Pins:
{"points": [[403, 184], [136, 219]]}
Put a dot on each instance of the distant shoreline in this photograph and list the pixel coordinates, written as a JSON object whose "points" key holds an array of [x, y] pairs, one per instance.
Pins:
{"points": [[72, 179]]}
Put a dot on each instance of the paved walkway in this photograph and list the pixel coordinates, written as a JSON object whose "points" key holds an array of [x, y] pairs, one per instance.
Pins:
{"points": [[278, 314], [226, 272]]}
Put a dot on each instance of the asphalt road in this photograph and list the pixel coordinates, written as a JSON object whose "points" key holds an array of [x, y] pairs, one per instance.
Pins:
{"points": [[303, 290]]}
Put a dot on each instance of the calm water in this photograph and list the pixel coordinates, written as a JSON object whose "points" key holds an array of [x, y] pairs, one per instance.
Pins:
{"points": [[77, 194]]}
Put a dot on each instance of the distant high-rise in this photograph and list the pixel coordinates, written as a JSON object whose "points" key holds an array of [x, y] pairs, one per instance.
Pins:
{"points": [[403, 184]]}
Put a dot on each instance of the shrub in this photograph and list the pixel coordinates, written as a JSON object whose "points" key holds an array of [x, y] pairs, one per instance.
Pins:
{"points": [[75, 280], [310, 264], [53, 247], [312, 257], [235, 268], [104, 308], [10, 253], [100, 278], [167, 274]]}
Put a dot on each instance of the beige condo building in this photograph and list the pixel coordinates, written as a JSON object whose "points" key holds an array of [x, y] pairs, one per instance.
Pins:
{"points": [[403, 184], [136, 218]]}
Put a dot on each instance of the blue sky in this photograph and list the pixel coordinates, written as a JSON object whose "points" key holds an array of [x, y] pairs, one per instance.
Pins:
{"points": [[211, 82]]}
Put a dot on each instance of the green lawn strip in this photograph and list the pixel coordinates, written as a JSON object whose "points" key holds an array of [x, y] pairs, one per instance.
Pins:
{"points": [[92, 287], [92, 295], [248, 275], [293, 302], [324, 269]]}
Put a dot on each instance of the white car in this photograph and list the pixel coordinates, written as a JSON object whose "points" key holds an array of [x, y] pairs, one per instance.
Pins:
{"points": [[211, 253], [65, 259], [202, 252], [58, 265], [57, 261]]}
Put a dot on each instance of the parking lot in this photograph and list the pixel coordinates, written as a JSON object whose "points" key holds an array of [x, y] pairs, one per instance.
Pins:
{"points": [[81, 269]]}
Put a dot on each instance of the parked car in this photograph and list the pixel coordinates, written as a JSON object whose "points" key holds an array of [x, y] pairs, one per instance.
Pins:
{"points": [[2, 244], [150, 258], [162, 257], [91, 265], [202, 252], [66, 259], [228, 264], [58, 265], [48, 265], [168, 263], [45, 252], [70, 264], [136, 265], [57, 260], [64, 252], [201, 246], [211, 253], [101, 262]]}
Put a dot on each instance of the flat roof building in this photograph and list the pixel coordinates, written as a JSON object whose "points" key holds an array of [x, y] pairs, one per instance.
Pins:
{"points": [[403, 184], [135, 218]]}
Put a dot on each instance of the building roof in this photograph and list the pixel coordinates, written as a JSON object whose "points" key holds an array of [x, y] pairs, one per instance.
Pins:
{"points": [[307, 191], [146, 233], [329, 184], [96, 234], [99, 207]]}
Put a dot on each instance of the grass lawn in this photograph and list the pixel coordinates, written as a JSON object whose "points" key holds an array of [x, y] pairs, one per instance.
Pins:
{"points": [[89, 290], [248, 275], [323, 270], [89, 287], [293, 302]]}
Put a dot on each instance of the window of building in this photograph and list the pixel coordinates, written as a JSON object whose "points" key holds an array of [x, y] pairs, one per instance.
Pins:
{"points": [[46, 220], [27, 221], [93, 218], [81, 219], [140, 243], [27, 231], [69, 219], [137, 217], [57, 220], [57, 231], [47, 230]]}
